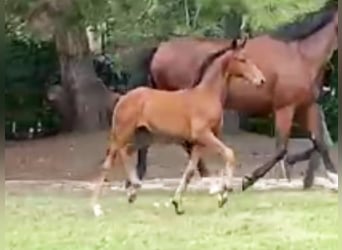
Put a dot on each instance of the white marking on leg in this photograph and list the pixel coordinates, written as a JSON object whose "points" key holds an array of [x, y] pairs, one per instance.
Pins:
{"points": [[283, 168], [97, 210], [333, 177], [215, 188]]}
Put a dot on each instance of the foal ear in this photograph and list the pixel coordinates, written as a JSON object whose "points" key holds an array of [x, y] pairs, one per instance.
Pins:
{"points": [[235, 44]]}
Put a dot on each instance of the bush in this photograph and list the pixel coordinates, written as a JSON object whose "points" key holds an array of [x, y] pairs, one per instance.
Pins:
{"points": [[330, 102], [28, 66]]}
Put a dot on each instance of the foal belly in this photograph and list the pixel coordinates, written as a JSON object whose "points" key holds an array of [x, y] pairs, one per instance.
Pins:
{"points": [[165, 139]]}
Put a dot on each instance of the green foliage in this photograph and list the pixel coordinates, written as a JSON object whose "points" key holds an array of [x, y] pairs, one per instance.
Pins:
{"points": [[330, 102], [28, 66], [132, 23]]}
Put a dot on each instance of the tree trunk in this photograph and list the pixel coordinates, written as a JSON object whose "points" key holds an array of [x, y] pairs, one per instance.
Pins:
{"points": [[86, 97]]}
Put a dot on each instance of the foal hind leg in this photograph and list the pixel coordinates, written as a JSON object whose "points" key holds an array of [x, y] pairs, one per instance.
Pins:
{"points": [[201, 167], [107, 165], [187, 176], [283, 123], [226, 185]]}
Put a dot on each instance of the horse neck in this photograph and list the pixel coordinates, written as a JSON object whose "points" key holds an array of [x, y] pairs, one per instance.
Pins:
{"points": [[318, 48]]}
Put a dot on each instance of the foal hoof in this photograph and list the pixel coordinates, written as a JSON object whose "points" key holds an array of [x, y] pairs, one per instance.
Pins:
{"points": [[128, 184], [132, 198], [178, 210], [222, 200], [247, 182], [97, 210]]}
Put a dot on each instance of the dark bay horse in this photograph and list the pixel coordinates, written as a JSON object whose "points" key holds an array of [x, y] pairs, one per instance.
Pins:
{"points": [[291, 57], [144, 116]]}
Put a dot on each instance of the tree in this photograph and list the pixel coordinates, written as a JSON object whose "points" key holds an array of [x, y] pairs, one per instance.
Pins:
{"points": [[82, 99]]}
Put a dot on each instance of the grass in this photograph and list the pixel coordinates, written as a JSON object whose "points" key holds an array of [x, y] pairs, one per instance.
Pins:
{"points": [[272, 220]]}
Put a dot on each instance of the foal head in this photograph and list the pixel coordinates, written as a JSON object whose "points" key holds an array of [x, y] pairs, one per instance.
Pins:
{"points": [[237, 64]]}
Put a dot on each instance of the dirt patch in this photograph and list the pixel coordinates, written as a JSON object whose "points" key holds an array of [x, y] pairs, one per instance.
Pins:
{"points": [[77, 157]]}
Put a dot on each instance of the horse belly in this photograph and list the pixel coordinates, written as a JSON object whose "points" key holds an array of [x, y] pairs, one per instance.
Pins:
{"points": [[249, 99]]}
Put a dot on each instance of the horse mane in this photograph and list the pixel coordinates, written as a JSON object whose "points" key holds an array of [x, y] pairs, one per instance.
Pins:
{"points": [[307, 24], [207, 62]]}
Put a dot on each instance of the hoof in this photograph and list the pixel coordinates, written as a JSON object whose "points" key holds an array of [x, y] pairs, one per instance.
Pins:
{"points": [[97, 210], [127, 184], [178, 210], [247, 182], [332, 177], [136, 184], [222, 201], [215, 189], [132, 198]]}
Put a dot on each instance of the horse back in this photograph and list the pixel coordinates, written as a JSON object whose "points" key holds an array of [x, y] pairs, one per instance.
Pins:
{"points": [[177, 61]]}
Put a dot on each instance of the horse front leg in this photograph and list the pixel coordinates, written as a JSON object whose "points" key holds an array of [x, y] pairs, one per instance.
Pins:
{"points": [[283, 122], [141, 165], [284, 168]]}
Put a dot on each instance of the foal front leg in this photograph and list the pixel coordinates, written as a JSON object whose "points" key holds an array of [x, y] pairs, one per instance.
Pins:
{"points": [[186, 178]]}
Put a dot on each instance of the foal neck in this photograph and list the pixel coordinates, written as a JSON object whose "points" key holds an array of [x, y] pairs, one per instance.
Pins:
{"points": [[214, 84]]}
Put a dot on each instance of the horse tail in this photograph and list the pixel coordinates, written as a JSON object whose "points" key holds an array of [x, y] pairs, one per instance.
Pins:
{"points": [[207, 62], [141, 75]]}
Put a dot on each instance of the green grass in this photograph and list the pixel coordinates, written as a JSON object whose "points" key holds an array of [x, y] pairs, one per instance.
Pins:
{"points": [[270, 220]]}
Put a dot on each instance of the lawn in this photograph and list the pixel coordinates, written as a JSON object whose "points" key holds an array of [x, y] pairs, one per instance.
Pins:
{"points": [[269, 220]]}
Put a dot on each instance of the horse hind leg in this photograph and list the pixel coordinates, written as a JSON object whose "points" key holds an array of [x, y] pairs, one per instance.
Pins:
{"points": [[316, 128], [313, 122], [284, 120]]}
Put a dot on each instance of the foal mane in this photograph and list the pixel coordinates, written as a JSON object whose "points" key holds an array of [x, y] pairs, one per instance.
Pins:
{"points": [[209, 61], [307, 24]]}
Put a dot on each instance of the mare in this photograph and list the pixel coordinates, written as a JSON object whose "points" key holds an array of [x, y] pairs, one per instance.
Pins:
{"points": [[292, 59], [144, 116]]}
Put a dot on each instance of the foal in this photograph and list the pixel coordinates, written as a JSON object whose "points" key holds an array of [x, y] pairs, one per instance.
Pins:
{"points": [[145, 116]]}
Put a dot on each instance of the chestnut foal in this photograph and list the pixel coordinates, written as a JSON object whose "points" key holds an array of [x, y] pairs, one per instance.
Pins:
{"points": [[144, 116]]}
